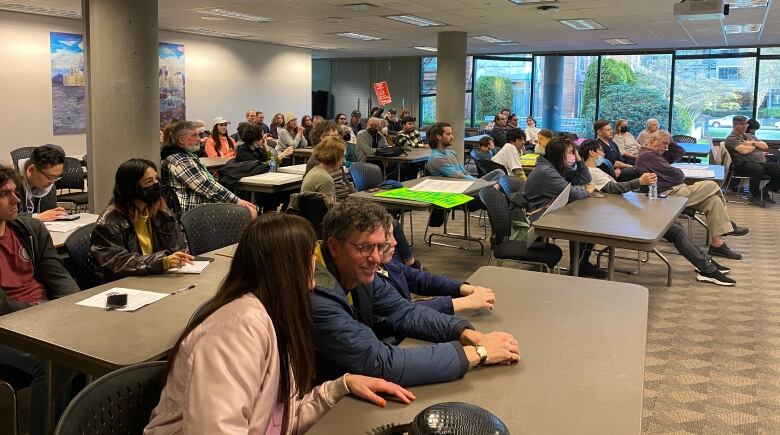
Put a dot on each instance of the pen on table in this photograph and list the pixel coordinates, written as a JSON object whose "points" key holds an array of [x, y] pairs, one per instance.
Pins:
{"points": [[191, 286]]}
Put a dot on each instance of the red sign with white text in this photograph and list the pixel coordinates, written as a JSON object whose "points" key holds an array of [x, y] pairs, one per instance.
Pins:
{"points": [[382, 93]]}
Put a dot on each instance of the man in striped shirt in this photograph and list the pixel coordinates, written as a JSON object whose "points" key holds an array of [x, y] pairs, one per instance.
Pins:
{"points": [[409, 137]]}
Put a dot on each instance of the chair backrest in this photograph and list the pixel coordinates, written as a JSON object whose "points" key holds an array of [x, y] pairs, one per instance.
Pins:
{"points": [[510, 184], [8, 412], [198, 312], [72, 175], [498, 214], [119, 402], [484, 166], [81, 264], [682, 138], [213, 226], [313, 209], [366, 175], [21, 153]]}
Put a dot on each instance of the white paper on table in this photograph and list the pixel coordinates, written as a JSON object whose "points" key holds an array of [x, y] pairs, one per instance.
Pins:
{"points": [[278, 177], [295, 169], [135, 298], [195, 267], [698, 173], [559, 202], [64, 226], [689, 166], [445, 186]]}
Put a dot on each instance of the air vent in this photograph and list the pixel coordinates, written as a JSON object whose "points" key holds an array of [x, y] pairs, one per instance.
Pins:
{"points": [[37, 10]]}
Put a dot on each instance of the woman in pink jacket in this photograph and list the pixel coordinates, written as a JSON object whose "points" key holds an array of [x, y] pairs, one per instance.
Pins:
{"points": [[246, 365]]}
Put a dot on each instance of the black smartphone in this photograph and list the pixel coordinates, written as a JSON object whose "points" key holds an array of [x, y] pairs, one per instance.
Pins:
{"points": [[199, 258], [70, 217], [116, 301], [663, 195]]}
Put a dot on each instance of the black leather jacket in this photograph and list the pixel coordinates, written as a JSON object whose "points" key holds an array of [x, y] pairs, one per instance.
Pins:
{"points": [[115, 245]]}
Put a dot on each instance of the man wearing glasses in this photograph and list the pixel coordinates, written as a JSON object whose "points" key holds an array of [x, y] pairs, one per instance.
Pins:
{"points": [[351, 307], [37, 193]]}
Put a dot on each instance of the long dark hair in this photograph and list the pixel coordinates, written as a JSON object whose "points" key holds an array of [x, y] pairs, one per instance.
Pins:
{"points": [[126, 189], [216, 137], [273, 261], [555, 153]]}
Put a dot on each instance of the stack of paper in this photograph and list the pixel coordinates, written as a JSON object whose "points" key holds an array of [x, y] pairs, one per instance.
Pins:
{"points": [[195, 267], [698, 173], [64, 226], [443, 186], [135, 298]]}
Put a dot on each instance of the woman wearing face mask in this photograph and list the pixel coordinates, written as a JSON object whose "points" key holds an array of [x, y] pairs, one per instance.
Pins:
{"points": [[137, 234], [559, 166], [219, 144], [627, 144]]}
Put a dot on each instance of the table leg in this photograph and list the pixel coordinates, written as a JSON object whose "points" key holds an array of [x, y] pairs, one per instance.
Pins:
{"points": [[48, 393], [668, 266], [574, 259], [611, 264]]}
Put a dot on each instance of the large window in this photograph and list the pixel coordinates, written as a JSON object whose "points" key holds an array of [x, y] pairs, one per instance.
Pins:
{"points": [[634, 88], [768, 97], [428, 67], [710, 90], [574, 115], [502, 83]]}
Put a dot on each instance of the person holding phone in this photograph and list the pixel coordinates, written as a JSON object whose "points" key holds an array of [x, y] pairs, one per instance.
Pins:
{"points": [[137, 234], [246, 364]]}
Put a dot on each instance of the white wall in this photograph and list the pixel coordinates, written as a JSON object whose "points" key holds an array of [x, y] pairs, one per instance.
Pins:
{"points": [[224, 78]]}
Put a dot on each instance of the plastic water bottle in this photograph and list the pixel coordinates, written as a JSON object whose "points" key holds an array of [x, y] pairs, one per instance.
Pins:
{"points": [[272, 164], [652, 193]]}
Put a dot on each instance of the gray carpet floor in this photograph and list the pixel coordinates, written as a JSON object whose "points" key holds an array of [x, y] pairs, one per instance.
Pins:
{"points": [[713, 353]]}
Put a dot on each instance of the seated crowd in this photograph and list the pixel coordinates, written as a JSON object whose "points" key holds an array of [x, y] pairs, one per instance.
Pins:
{"points": [[298, 322]]}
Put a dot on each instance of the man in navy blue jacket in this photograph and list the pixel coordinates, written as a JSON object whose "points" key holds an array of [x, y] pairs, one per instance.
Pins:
{"points": [[350, 305]]}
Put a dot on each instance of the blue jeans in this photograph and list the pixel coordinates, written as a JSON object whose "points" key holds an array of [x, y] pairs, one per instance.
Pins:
{"points": [[403, 251], [493, 175], [36, 368]]}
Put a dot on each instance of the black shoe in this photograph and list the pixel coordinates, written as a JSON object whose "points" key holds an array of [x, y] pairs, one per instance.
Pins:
{"points": [[715, 277], [722, 269], [755, 200], [767, 197], [723, 251], [737, 231], [592, 271]]}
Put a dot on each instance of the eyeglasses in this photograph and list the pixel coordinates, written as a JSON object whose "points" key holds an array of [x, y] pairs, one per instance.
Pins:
{"points": [[51, 178], [367, 249]]}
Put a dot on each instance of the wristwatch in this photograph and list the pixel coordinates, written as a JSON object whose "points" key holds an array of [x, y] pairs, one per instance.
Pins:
{"points": [[482, 352]]}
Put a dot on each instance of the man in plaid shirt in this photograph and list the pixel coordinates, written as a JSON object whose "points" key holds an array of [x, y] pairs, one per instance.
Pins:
{"points": [[184, 175], [409, 136]]}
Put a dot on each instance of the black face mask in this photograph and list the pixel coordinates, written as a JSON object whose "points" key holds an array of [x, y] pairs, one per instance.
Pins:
{"points": [[372, 131], [150, 194], [624, 129]]}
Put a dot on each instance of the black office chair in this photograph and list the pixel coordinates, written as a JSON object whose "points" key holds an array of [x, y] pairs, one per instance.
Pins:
{"points": [[120, 402], [21, 153], [8, 410], [546, 256], [313, 209], [366, 176], [213, 226], [682, 138], [72, 179], [198, 312], [485, 166], [81, 264], [510, 184]]}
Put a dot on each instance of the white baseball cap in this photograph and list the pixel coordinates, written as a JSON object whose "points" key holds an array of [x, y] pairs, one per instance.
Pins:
{"points": [[219, 120]]}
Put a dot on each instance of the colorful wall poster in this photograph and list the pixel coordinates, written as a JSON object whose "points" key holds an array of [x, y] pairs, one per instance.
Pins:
{"points": [[172, 106], [67, 83]]}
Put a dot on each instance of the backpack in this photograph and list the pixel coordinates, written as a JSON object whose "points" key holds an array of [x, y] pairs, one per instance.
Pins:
{"points": [[390, 152]]}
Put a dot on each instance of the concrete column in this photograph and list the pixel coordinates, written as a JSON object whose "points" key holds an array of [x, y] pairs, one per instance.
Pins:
{"points": [[451, 85], [123, 96], [552, 100]]}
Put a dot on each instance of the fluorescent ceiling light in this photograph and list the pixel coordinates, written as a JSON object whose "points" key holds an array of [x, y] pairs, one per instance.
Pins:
{"points": [[38, 10], [731, 29], [490, 39], [204, 31], [426, 48], [217, 12], [415, 20], [357, 36], [510, 44], [528, 2], [619, 41], [583, 24], [746, 4], [361, 7]]}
